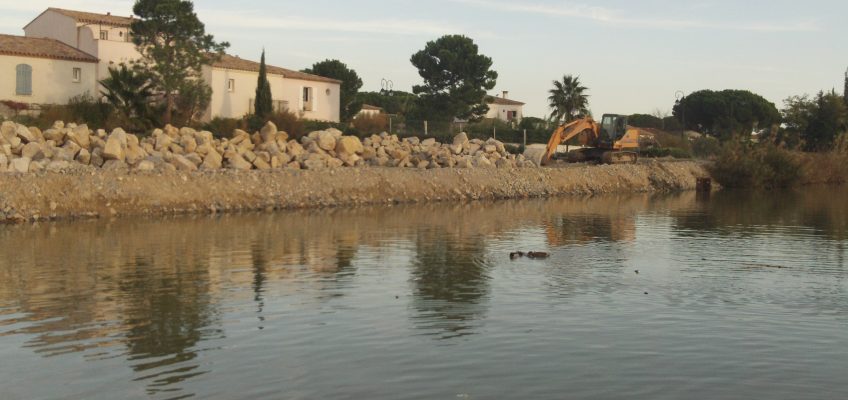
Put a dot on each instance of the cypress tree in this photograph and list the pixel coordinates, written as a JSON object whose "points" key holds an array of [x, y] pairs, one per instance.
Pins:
{"points": [[845, 91], [263, 106]]}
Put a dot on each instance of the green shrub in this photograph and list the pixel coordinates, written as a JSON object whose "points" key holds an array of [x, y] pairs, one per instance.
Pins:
{"points": [[766, 166], [660, 152], [369, 124], [705, 147], [224, 127]]}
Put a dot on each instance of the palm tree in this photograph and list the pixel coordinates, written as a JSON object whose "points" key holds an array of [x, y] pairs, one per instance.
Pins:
{"points": [[130, 92], [567, 100]]}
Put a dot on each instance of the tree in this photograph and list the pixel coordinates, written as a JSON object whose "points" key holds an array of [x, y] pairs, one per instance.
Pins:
{"points": [[173, 44], [845, 90], [568, 100], [456, 78], [817, 122], [263, 105], [130, 92], [351, 83], [726, 113], [192, 100]]}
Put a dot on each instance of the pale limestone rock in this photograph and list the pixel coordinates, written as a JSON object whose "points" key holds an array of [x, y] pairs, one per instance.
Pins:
{"points": [[349, 145], [182, 163], [268, 133], [212, 161], [188, 143], [113, 149], [260, 164], [24, 133], [162, 142], [236, 161], [326, 140], [293, 165], [32, 151], [20, 165], [294, 148], [194, 158], [80, 135], [84, 157], [145, 165], [57, 166]]}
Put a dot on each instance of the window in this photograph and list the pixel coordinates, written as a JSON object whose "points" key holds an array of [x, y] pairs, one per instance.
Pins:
{"points": [[77, 75], [231, 85], [104, 35], [307, 99], [23, 74]]}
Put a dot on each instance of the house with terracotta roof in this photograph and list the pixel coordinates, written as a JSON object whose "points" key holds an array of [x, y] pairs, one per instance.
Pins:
{"points": [[370, 111], [104, 36], [233, 81], [505, 109], [105, 40], [43, 71]]}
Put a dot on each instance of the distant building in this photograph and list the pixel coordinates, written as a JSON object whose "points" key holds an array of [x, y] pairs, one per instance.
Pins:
{"points": [[504, 109], [43, 71], [369, 110], [92, 43]]}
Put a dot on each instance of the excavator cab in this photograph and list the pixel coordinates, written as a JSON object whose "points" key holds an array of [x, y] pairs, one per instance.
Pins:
{"points": [[613, 128]]}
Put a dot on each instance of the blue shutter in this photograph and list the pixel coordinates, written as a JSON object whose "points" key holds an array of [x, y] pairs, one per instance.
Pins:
{"points": [[24, 80]]}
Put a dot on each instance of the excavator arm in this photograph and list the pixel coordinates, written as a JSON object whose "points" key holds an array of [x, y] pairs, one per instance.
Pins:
{"points": [[567, 132]]}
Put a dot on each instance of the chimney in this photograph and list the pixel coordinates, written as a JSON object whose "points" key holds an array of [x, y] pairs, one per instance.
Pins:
{"points": [[505, 94]]}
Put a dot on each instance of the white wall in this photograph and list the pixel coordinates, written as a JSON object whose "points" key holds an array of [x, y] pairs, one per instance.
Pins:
{"points": [[113, 53], [500, 111], [325, 107], [237, 103], [53, 25], [52, 80]]}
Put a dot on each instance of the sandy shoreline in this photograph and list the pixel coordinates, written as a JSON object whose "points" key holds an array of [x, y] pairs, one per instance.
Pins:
{"points": [[96, 193]]}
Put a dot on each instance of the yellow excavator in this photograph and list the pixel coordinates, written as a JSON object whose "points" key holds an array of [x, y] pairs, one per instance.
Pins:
{"points": [[611, 142]]}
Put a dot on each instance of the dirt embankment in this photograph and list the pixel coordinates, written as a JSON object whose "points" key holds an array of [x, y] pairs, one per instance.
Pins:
{"points": [[91, 192]]}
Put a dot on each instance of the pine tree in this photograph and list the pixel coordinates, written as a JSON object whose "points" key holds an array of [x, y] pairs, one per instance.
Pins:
{"points": [[263, 104]]}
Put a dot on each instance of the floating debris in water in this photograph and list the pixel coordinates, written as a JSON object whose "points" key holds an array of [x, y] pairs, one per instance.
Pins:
{"points": [[531, 255]]}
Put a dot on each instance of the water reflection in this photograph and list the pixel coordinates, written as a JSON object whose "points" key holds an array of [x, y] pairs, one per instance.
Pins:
{"points": [[450, 281], [153, 299]]}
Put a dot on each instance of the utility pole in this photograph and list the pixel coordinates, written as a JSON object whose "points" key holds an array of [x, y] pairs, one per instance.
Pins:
{"points": [[525, 139], [425, 129]]}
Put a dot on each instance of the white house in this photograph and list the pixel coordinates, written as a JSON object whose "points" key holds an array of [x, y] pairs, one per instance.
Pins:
{"points": [[105, 38], [233, 81], [43, 71], [505, 109], [369, 111]]}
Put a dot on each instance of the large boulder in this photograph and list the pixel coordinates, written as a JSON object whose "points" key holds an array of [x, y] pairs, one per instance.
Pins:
{"points": [[80, 135], [327, 140], [20, 164], [115, 146], [212, 161], [534, 153], [25, 134], [349, 145], [236, 161], [32, 151], [268, 133], [182, 163], [460, 139]]}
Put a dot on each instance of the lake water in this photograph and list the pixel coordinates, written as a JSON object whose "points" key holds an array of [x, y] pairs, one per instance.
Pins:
{"points": [[737, 296]]}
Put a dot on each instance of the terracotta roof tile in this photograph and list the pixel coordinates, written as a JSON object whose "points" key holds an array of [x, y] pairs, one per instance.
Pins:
{"points": [[368, 107], [42, 48], [94, 18], [229, 62], [503, 102]]}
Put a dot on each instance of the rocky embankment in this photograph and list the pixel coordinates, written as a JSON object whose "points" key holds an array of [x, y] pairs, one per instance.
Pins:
{"points": [[63, 147], [70, 171]]}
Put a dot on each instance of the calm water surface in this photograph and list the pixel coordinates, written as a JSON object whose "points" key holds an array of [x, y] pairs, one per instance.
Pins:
{"points": [[736, 296]]}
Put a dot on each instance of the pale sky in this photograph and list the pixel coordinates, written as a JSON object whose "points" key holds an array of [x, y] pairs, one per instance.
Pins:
{"points": [[633, 56]]}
